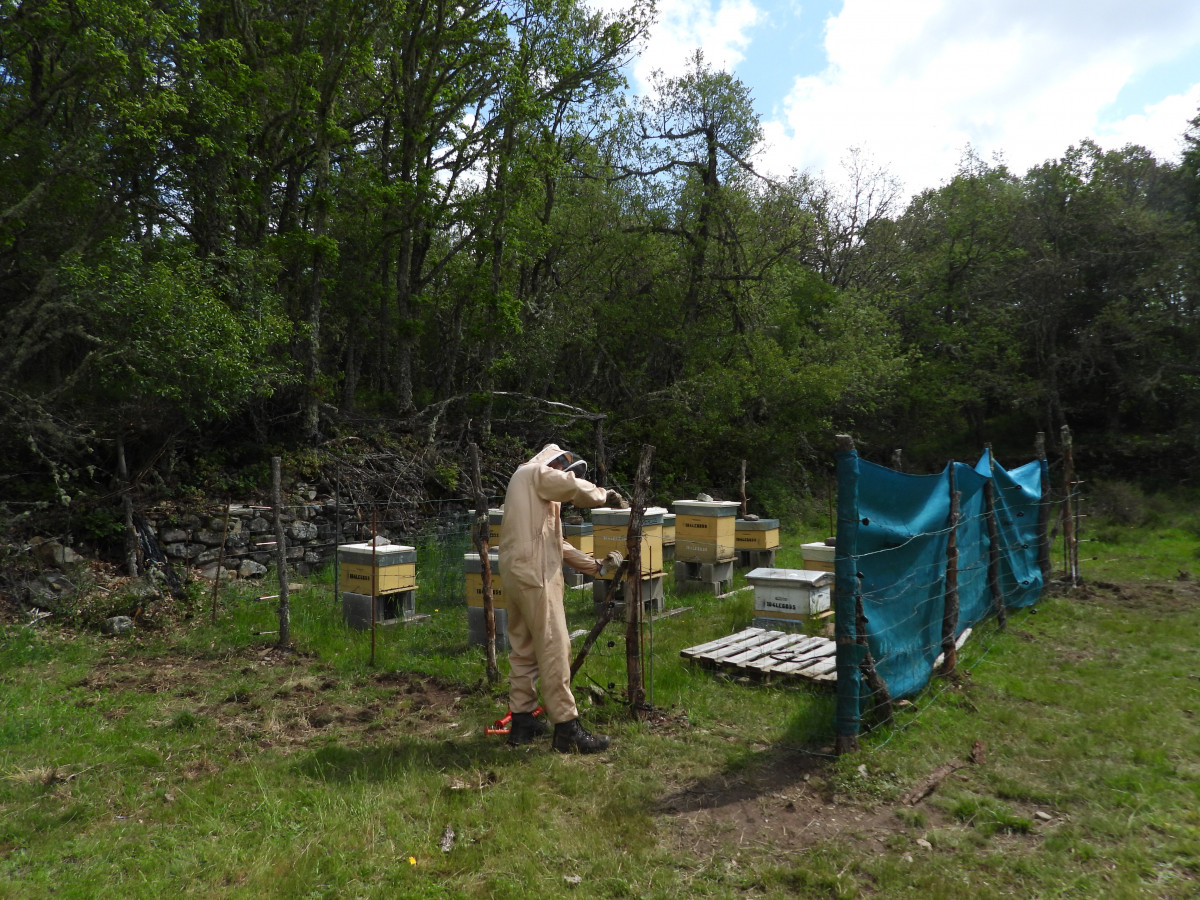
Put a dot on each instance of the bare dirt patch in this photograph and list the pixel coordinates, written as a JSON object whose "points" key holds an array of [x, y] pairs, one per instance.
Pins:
{"points": [[269, 698]]}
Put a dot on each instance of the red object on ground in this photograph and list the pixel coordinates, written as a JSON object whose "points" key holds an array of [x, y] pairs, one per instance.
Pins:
{"points": [[504, 726]]}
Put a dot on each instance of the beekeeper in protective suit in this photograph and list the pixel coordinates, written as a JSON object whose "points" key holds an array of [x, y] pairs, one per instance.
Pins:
{"points": [[532, 552]]}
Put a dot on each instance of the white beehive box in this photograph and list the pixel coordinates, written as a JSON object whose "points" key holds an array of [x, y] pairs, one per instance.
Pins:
{"points": [[790, 593]]}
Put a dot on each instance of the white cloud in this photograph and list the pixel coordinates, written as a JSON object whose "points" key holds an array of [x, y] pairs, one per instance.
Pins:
{"points": [[916, 82], [1160, 128], [719, 28]]}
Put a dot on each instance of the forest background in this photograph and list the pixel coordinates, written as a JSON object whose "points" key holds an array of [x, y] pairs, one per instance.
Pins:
{"points": [[234, 229]]}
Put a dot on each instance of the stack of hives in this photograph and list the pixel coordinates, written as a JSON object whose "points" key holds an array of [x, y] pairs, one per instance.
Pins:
{"points": [[379, 575], [756, 541], [476, 616], [610, 531], [705, 544]]}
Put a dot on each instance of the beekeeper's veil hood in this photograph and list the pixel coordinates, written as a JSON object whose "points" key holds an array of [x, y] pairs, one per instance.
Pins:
{"points": [[553, 454]]}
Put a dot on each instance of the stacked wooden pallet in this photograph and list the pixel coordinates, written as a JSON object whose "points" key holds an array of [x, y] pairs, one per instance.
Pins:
{"points": [[758, 651]]}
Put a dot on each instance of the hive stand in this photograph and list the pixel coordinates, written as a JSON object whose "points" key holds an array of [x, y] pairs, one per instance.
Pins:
{"points": [[715, 577]]}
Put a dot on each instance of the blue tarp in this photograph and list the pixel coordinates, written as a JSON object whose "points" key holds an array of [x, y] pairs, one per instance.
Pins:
{"points": [[893, 535]]}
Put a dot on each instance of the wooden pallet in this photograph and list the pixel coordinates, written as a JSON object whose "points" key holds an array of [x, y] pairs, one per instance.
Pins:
{"points": [[759, 652]]}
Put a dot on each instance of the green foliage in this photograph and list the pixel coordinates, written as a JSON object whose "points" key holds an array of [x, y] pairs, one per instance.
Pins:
{"points": [[103, 524], [167, 339]]}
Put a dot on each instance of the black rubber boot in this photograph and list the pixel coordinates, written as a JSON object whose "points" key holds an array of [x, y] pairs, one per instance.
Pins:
{"points": [[525, 727], [571, 735]]}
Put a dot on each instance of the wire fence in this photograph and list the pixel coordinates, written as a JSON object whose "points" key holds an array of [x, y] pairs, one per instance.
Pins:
{"points": [[925, 560]]}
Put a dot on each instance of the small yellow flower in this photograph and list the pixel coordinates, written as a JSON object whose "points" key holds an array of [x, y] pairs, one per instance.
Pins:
{"points": [[412, 860]]}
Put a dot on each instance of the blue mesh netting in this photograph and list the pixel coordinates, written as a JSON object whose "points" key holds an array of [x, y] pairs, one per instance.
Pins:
{"points": [[893, 535]]}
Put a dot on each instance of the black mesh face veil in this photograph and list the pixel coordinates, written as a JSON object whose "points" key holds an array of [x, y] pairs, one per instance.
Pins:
{"points": [[576, 465]]}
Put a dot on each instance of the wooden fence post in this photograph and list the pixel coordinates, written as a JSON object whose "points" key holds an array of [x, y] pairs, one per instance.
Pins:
{"points": [[633, 583], [898, 460], [950, 613], [132, 566], [285, 608], [742, 512], [847, 716], [879, 689], [374, 577], [1069, 483], [601, 463], [993, 533], [481, 534], [1043, 555], [221, 559]]}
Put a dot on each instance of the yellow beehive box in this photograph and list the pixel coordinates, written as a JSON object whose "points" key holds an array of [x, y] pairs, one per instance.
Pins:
{"points": [[495, 520], [473, 573], [580, 537], [705, 530], [610, 531], [818, 556], [760, 534], [384, 567], [668, 529]]}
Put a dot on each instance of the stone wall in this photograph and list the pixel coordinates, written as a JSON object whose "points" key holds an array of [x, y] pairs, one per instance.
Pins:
{"points": [[311, 533]]}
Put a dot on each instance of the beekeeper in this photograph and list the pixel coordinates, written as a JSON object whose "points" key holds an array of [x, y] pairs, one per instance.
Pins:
{"points": [[532, 552]]}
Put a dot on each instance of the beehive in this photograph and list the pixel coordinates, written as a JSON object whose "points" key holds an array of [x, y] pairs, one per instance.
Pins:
{"points": [[668, 529], [385, 568], [610, 531], [495, 520], [705, 530], [818, 556], [792, 594], [760, 534], [473, 572], [579, 536]]}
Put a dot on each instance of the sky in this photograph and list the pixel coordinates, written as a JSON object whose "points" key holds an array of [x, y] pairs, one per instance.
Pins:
{"points": [[913, 84]]}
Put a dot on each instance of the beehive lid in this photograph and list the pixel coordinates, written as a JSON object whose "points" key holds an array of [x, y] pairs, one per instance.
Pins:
{"points": [[472, 564], [607, 516], [715, 508], [496, 516], [804, 578], [757, 524], [669, 518], [379, 555]]}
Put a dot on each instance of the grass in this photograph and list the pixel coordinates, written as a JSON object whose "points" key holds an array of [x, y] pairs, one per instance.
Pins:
{"points": [[198, 761]]}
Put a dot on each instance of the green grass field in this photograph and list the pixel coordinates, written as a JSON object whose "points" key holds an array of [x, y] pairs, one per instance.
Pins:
{"points": [[1063, 760]]}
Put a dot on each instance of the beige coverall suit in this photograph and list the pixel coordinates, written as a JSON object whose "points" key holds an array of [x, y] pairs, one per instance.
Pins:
{"points": [[532, 552]]}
